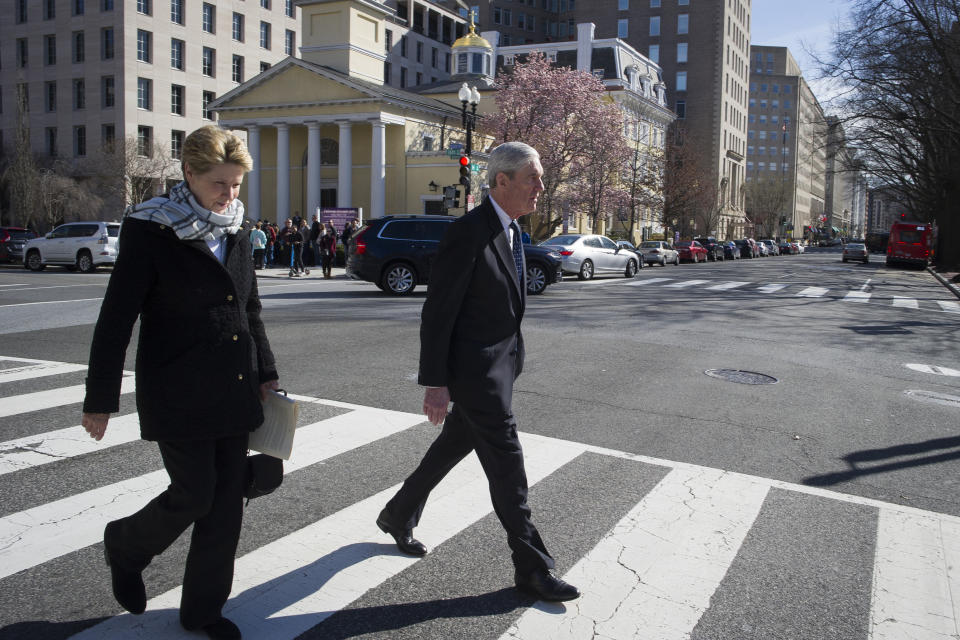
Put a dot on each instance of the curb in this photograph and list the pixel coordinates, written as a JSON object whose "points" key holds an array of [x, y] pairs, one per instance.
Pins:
{"points": [[949, 285]]}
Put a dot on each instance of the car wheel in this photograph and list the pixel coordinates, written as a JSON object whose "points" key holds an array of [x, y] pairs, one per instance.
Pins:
{"points": [[631, 269], [85, 262], [399, 279], [34, 262], [586, 270], [536, 279], [663, 261], [676, 261]]}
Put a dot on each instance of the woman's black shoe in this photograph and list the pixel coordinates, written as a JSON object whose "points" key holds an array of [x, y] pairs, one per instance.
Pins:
{"points": [[403, 537], [222, 629]]}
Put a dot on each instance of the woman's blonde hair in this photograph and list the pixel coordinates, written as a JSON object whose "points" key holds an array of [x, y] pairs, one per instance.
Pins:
{"points": [[210, 146]]}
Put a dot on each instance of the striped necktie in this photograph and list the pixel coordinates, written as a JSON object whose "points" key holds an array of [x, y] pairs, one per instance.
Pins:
{"points": [[517, 250]]}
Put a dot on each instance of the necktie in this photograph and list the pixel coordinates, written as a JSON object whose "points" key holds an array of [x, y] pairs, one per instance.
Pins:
{"points": [[517, 250]]}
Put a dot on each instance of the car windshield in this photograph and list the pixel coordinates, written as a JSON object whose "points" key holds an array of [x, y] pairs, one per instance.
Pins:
{"points": [[561, 240], [856, 247], [650, 245], [113, 230], [683, 244]]}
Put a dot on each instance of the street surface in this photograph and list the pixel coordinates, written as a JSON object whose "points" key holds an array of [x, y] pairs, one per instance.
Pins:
{"points": [[824, 506]]}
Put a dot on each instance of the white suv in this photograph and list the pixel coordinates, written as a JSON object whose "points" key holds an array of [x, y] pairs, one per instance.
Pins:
{"points": [[76, 245]]}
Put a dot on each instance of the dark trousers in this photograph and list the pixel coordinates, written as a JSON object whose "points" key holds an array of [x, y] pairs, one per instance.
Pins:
{"points": [[494, 438], [258, 258], [206, 490]]}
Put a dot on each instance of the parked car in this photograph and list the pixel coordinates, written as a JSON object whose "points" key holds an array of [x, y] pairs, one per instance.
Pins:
{"points": [[730, 250], [544, 267], [714, 248], [587, 255], [626, 244], [748, 248], [773, 247], [691, 250], [856, 251], [76, 245], [786, 248], [659, 252], [800, 246], [763, 250], [12, 240]]}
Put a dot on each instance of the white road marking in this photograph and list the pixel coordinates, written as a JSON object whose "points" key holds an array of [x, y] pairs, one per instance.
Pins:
{"points": [[37, 370], [916, 578], [812, 292], [929, 368], [40, 534], [948, 305], [38, 400], [866, 284], [27, 304], [640, 283], [653, 575], [906, 303], [684, 284], [727, 285], [857, 296], [772, 288]]}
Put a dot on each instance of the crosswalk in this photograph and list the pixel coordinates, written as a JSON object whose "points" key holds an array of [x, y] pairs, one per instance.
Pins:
{"points": [[855, 295], [663, 550]]}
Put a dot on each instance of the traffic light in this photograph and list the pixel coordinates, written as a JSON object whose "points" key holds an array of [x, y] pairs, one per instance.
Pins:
{"points": [[465, 173], [903, 216], [451, 197]]}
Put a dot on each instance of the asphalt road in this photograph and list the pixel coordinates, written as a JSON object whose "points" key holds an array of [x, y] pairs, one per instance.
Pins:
{"points": [[627, 439]]}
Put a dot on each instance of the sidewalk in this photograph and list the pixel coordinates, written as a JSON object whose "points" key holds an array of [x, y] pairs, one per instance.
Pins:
{"points": [[278, 273], [950, 279]]}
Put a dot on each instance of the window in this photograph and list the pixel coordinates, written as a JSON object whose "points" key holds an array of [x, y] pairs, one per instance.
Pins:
{"points": [[208, 62], [387, 40], [176, 11], [143, 6], [419, 78], [106, 92], [265, 4], [761, 150], [683, 23], [403, 77], [106, 5], [78, 7], [290, 42], [264, 66], [108, 134], [446, 62], [763, 118], [774, 88], [682, 51], [288, 8], [106, 43], [654, 53], [238, 26], [419, 52], [208, 97], [403, 46], [681, 80], [80, 141], [237, 68], [387, 72], [654, 25], [50, 50], [177, 48], [763, 87], [622, 26], [144, 45], [144, 141], [176, 144], [433, 57], [176, 99], [264, 35], [683, 3], [681, 109], [21, 11], [623, 5], [144, 89], [78, 46], [654, 4], [51, 141], [21, 52], [50, 96], [786, 89], [79, 94], [209, 20]]}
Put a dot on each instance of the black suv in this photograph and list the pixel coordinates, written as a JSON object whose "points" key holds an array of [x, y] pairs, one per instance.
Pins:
{"points": [[396, 253], [714, 248]]}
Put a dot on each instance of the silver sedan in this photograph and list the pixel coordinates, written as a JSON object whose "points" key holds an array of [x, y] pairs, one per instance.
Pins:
{"points": [[659, 252], [589, 255]]}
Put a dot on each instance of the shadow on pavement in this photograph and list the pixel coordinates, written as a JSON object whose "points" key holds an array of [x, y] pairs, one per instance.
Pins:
{"points": [[874, 455]]}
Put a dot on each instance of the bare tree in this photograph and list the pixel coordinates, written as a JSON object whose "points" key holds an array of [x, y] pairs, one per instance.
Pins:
{"points": [[60, 198], [691, 202], [642, 181], [766, 198], [21, 173], [126, 173]]}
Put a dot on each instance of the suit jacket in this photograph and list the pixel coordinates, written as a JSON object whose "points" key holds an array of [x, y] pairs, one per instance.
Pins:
{"points": [[470, 338], [202, 352]]}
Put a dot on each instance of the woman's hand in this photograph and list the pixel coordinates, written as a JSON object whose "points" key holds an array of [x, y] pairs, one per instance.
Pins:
{"points": [[270, 385], [95, 424]]}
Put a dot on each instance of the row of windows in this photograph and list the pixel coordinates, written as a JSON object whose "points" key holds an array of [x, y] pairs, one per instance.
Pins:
{"points": [[773, 88], [108, 133], [683, 25], [404, 80], [108, 96], [434, 52], [774, 104], [773, 166], [773, 119], [144, 7], [762, 134], [773, 151]]}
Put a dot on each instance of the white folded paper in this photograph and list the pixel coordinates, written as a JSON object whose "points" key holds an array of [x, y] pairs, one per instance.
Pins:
{"points": [[275, 436]]}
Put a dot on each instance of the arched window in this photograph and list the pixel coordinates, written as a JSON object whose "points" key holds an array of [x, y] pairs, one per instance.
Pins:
{"points": [[329, 151]]}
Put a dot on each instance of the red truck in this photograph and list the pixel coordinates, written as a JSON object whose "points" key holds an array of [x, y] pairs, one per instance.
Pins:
{"points": [[911, 243]]}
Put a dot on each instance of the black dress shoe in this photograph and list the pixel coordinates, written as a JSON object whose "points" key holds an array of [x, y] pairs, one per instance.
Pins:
{"points": [[222, 629], [403, 537], [546, 586], [128, 587]]}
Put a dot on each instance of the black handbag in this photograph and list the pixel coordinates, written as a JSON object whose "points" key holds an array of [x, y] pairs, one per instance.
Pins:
{"points": [[263, 475]]}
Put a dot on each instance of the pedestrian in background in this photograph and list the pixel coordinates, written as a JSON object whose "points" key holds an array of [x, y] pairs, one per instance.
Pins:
{"points": [[287, 238], [348, 230], [204, 365], [270, 229], [316, 229], [328, 249], [304, 230], [258, 239]]}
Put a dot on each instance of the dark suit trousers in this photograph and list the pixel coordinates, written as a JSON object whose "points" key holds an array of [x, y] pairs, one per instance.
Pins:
{"points": [[494, 438], [206, 490]]}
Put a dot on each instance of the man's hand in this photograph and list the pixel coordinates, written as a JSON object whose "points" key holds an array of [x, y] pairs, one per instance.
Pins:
{"points": [[270, 385], [435, 403], [95, 424]]}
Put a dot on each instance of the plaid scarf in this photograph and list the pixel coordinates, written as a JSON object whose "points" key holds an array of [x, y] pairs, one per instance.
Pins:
{"points": [[190, 221]]}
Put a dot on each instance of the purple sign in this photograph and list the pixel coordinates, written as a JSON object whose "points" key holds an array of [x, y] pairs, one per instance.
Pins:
{"points": [[339, 217]]}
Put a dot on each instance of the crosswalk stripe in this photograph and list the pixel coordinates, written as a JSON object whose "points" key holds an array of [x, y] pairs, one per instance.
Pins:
{"points": [[684, 284], [857, 296], [292, 584], [38, 400], [727, 285], [35, 450], [906, 303], [772, 288], [947, 305], [641, 283], [916, 578], [655, 550], [40, 534], [812, 292], [36, 369]]}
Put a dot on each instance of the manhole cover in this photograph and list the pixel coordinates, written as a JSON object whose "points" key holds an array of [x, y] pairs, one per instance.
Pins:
{"points": [[937, 398], [742, 377]]}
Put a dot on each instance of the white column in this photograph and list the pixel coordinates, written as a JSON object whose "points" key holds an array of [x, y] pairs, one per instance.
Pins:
{"points": [[345, 166], [378, 174], [253, 178], [313, 169], [283, 172]]}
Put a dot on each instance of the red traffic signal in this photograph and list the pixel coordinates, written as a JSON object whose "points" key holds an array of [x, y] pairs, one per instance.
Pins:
{"points": [[465, 171], [464, 161]]}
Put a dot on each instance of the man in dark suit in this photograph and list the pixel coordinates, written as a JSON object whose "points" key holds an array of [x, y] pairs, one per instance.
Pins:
{"points": [[471, 351]]}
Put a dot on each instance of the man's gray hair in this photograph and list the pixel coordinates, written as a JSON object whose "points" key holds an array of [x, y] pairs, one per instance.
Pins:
{"points": [[507, 158]]}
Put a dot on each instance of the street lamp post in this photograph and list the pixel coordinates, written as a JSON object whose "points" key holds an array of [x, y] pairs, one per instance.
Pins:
{"points": [[471, 95]]}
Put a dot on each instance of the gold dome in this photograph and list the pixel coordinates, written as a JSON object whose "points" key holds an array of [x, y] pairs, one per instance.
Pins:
{"points": [[472, 39]]}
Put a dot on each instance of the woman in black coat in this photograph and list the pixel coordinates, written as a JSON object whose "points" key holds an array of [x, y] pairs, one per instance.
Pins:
{"points": [[203, 366]]}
